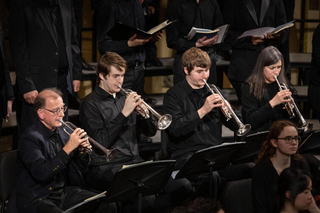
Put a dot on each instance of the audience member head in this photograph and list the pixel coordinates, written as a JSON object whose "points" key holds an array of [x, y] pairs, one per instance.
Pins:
{"points": [[196, 65], [282, 139], [294, 191], [270, 63], [110, 72], [50, 107], [200, 205]]}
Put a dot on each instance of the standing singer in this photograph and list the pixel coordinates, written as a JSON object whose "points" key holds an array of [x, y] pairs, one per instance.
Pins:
{"points": [[49, 162]]}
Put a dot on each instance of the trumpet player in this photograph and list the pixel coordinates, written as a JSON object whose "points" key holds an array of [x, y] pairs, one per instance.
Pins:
{"points": [[108, 116], [262, 101], [49, 162], [196, 117]]}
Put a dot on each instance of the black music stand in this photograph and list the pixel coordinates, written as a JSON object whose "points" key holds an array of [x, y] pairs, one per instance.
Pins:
{"points": [[144, 179], [208, 160], [87, 205], [252, 148], [311, 144]]}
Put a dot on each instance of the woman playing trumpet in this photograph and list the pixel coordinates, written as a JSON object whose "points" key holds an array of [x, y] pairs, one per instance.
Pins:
{"points": [[262, 102]]}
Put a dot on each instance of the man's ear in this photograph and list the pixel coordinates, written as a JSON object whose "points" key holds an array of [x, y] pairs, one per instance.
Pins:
{"points": [[101, 76], [40, 114], [185, 70], [274, 143]]}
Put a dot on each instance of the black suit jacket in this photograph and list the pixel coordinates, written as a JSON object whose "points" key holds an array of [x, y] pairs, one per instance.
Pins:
{"points": [[34, 47], [241, 16], [37, 167], [6, 89]]}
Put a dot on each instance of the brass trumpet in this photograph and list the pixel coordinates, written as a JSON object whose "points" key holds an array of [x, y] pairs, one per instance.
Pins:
{"points": [[291, 107], [163, 121], [69, 127], [228, 111]]}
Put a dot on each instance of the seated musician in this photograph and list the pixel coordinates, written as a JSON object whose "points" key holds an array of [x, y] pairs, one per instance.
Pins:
{"points": [[49, 162], [278, 152], [262, 102], [196, 117], [108, 116]]}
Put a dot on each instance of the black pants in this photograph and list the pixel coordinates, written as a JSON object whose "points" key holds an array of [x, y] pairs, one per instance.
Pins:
{"points": [[71, 197], [134, 79], [314, 100], [237, 85]]}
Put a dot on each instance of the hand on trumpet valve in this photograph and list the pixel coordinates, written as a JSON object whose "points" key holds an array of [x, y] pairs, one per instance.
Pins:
{"points": [[84, 147], [142, 110], [211, 102], [281, 97], [132, 101], [78, 138]]}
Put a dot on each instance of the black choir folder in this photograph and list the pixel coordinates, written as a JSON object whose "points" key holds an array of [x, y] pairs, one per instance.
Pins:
{"points": [[124, 32], [260, 32], [197, 33]]}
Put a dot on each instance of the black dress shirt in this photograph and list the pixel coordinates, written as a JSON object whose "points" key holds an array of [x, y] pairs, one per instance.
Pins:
{"points": [[101, 117], [265, 181], [187, 132], [188, 14], [56, 146], [128, 12], [259, 113]]}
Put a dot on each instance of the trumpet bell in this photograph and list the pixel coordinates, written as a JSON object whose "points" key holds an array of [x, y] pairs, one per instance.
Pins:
{"points": [[243, 130], [164, 121]]}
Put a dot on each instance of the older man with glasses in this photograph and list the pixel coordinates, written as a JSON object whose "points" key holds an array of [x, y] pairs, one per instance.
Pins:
{"points": [[49, 162]]}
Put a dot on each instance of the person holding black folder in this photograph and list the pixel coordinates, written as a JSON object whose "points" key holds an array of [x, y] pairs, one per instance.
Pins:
{"points": [[109, 117], [192, 13], [248, 15], [132, 50], [196, 117]]}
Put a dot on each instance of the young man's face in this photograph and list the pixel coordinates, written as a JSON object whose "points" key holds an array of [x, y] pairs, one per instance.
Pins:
{"points": [[196, 76], [111, 81]]}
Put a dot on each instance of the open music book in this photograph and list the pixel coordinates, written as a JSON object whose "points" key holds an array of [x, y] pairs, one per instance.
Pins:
{"points": [[197, 33], [261, 32], [124, 32]]}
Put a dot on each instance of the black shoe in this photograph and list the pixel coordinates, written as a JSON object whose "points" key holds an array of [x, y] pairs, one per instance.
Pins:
{"points": [[86, 66]]}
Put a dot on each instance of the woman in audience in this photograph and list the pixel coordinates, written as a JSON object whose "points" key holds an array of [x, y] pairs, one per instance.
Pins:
{"points": [[279, 152], [294, 192], [262, 102]]}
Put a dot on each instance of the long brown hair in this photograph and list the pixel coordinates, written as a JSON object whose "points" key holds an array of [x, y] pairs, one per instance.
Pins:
{"points": [[268, 56], [267, 149]]}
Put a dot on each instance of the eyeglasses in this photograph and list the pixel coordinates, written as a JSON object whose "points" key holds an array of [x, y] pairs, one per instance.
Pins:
{"points": [[57, 111], [289, 139]]}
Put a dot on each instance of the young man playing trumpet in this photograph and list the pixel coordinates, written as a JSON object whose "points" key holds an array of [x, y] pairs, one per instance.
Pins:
{"points": [[108, 116], [49, 162], [196, 117]]}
